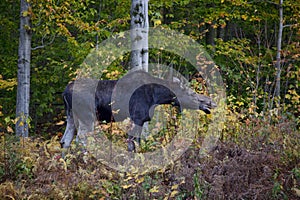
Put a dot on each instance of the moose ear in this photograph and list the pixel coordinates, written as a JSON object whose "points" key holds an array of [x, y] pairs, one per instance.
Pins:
{"points": [[179, 82], [176, 80]]}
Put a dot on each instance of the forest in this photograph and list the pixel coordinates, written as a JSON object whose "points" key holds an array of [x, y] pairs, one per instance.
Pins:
{"points": [[254, 45]]}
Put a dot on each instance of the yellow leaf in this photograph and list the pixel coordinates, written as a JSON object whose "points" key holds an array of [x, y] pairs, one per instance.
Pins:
{"points": [[25, 13], [10, 196], [140, 180], [157, 22], [126, 186], [60, 123], [21, 123], [64, 163], [297, 191], [27, 159], [154, 189], [46, 150], [244, 17], [173, 193], [128, 178], [27, 27], [9, 129], [174, 187]]}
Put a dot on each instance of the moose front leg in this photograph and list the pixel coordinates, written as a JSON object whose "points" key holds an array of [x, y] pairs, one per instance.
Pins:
{"points": [[134, 134]]}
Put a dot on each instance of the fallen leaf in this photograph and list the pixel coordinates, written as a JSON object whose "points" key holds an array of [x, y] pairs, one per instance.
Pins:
{"points": [[297, 191]]}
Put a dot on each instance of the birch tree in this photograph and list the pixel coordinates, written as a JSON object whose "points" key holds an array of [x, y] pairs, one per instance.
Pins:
{"points": [[139, 34], [24, 57], [139, 40], [278, 55]]}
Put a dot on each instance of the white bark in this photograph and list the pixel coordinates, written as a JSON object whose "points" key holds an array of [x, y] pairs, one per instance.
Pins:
{"points": [[24, 57], [139, 40], [278, 54], [139, 34]]}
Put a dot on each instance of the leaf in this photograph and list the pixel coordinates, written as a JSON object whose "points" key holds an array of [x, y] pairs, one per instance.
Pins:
{"points": [[25, 13], [60, 123], [26, 27], [46, 150], [28, 159], [126, 186], [64, 163], [9, 196], [9, 129], [140, 180], [21, 123], [154, 189], [297, 191], [244, 17], [157, 22], [7, 119], [128, 178], [173, 193], [175, 187]]}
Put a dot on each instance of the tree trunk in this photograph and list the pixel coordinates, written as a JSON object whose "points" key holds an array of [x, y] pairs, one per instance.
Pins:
{"points": [[139, 41], [210, 35], [278, 55], [221, 32], [139, 34], [24, 57]]}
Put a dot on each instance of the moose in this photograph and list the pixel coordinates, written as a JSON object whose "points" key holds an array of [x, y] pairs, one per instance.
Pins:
{"points": [[135, 96]]}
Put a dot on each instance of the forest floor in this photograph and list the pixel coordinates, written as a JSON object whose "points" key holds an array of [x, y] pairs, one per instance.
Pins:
{"points": [[240, 167]]}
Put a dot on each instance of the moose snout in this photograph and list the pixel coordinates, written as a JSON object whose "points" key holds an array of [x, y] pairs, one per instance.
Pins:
{"points": [[205, 109], [206, 103]]}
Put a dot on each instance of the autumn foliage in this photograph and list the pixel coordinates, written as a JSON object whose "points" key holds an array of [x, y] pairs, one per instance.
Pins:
{"points": [[258, 149]]}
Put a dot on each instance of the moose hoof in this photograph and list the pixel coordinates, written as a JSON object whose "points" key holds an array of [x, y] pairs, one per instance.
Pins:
{"points": [[131, 146], [62, 144]]}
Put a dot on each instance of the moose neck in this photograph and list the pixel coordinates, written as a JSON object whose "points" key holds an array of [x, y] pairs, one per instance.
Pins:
{"points": [[163, 95]]}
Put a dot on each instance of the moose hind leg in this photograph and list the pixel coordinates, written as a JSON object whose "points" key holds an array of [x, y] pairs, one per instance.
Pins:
{"points": [[67, 138], [82, 132], [134, 134]]}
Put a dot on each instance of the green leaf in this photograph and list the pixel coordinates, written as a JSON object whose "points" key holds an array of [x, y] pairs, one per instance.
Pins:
{"points": [[7, 119], [25, 13]]}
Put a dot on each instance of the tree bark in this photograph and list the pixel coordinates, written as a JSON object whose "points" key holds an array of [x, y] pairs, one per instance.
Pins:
{"points": [[139, 34], [24, 58], [210, 35], [221, 32], [139, 40], [278, 55]]}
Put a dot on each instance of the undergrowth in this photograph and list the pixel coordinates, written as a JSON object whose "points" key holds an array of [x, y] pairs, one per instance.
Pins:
{"points": [[253, 159]]}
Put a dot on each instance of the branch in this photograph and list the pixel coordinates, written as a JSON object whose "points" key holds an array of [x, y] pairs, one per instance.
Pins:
{"points": [[288, 25], [43, 45], [276, 4], [37, 47]]}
